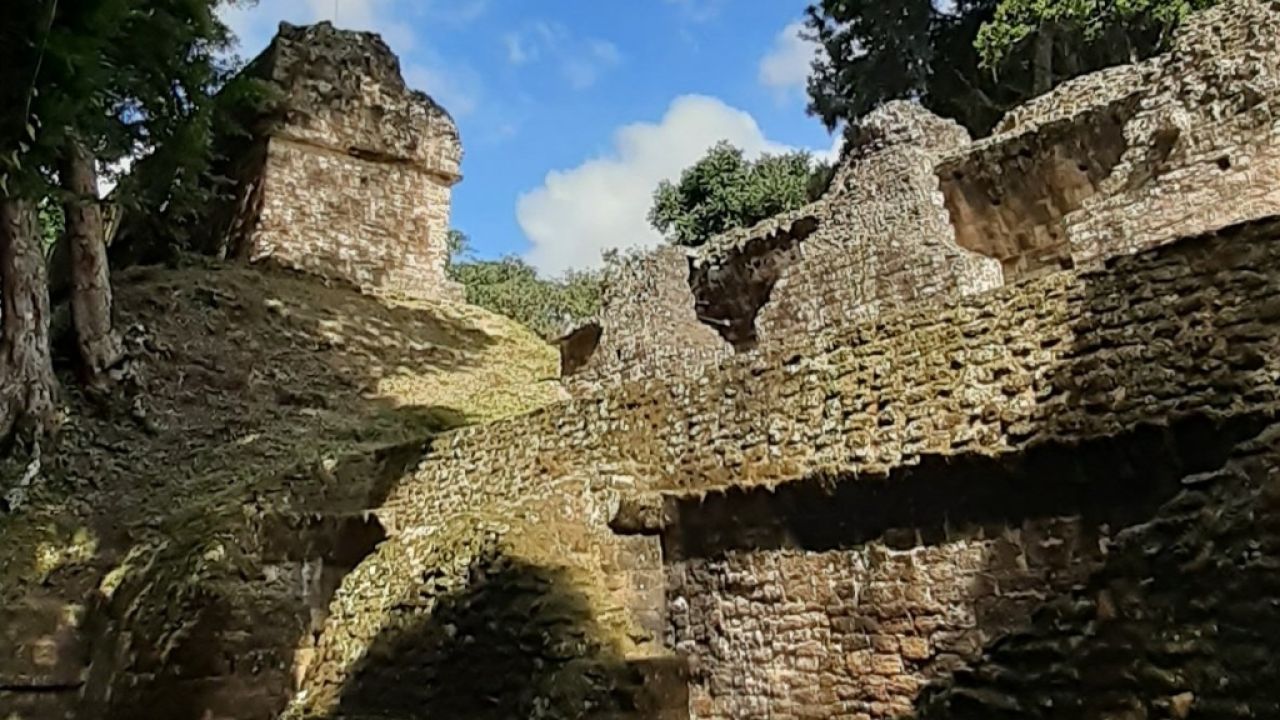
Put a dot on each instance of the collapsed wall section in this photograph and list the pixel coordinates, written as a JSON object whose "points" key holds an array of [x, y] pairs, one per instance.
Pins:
{"points": [[651, 325], [356, 170], [1203, 152]]}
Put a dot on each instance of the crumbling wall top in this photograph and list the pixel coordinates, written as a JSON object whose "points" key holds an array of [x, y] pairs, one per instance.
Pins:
{"points": [[903, 122], [342, 90]]}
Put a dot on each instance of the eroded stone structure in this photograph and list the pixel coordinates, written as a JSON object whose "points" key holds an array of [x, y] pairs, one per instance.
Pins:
{"points": [[876, 460], [1108, 164], [350, 177], [953, 456]]}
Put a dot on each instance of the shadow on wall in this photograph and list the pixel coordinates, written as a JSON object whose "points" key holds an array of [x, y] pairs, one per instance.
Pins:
{"points": [[1182, 621], [518, 641], [729, 295], [251, 604], [1167, 371], [1008, 200]]}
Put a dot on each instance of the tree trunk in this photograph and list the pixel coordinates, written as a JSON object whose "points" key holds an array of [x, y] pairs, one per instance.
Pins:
{"points": [[27, 384], [100, 348], [1043, 67]]}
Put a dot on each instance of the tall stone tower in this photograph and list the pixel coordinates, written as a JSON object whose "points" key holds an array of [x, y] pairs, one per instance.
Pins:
{"points": [[350, 175]]}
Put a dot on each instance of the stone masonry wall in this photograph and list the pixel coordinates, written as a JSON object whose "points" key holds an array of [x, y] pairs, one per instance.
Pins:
{"points": [[854, 633], [1181, 332], [1108, 164], [381, 226], [358, 169], [1204, 148], [1180, 622], [813, 602], [883, 238], [652, 325]]}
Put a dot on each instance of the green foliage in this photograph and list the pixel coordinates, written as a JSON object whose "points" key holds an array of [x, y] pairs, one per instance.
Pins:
{"points": [[975, 59], [724, 190], [123, 76], [1137, 26], [52, 223], [511, 287], [872, 52]]}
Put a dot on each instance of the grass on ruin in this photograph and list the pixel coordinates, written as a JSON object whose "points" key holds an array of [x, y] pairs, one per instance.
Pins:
{"points": [[261, 391]]}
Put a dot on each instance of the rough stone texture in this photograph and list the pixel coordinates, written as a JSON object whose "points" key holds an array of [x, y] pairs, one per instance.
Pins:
{"points": [[350, 178], [815, 602], [879, 238], [883, 239], [652, 326], [1180, 623], [1181, 332], [1204, 148], [1108, 164]]}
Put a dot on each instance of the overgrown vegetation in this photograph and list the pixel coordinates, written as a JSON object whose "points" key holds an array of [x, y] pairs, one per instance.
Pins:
{"points": [[972, 60], [724, 190], [85, 83], [510, 286]]}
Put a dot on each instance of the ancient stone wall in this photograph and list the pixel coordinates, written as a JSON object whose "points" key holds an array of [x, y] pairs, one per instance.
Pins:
{"points": [[1180, 622], [355, 179], [1108, 164], [1181, 334], [1204, 149], [652, 326]]}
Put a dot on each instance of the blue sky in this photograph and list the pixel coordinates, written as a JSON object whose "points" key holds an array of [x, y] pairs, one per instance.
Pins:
{"points": [[571, 110]]}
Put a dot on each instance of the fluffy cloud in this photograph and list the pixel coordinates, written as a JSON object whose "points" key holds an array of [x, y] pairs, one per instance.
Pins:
{"points": [[787, 65], [602, 204]]}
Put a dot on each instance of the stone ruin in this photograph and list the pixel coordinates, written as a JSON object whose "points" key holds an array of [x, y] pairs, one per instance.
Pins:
{"points": [[990, 431], [1109, 164], [350, 175]]}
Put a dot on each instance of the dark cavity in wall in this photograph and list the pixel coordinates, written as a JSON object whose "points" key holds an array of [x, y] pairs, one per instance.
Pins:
{"points": [[577, 347], [1113, 483], [1008, 199], [730, 293]]}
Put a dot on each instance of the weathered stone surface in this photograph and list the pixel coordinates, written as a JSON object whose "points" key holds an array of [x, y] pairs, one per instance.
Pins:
{"points": [[351, 177], [1180, 622], [1108, 164], [652, 326], [1160, 338]]}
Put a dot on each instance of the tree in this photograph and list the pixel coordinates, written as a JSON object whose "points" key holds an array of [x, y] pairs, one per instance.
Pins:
{"points": [[1066, 36], [83, 82], [972, 60], [872, 52], [511, 287], [27, 385], [125, 75], [724, 190]]}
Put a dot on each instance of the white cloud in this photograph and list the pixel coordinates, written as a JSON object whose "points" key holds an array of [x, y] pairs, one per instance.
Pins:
{"points": [[517, 53], [581, 61], [602, 204], [787, 65]]}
